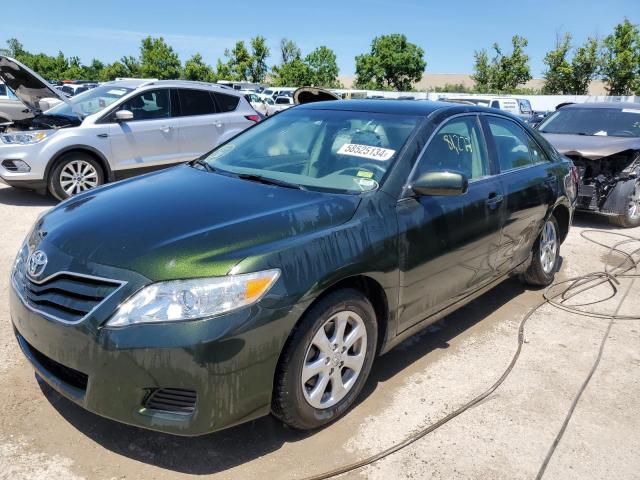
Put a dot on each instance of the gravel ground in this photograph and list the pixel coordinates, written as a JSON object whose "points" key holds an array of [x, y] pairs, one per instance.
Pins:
{"points": [[507, 436]]}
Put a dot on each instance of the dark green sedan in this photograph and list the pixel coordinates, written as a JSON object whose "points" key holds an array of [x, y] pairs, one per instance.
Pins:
{"points": [[266, 276]]}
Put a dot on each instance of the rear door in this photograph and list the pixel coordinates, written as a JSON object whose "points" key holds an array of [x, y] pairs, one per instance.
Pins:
{"points": [[527, 179], [199, 122], [448, 244], [231, 119], [149, 139]]}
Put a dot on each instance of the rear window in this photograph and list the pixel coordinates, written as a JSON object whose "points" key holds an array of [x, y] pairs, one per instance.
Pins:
{"points": [[3, 90], [282, 101], [196, 102], [227, 103]]}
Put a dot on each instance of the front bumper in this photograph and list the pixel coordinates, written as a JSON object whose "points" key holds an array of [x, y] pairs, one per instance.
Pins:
{"points": [[34, 156], [229, 361]]}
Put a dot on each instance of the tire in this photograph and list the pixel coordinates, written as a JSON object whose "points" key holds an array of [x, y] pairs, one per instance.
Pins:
{"points": [[628, 205], [315, 402], [541, 272], [75, 172]]}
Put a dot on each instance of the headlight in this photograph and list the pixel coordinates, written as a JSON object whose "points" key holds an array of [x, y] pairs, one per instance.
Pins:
{"points": [[26, 138], [180, 300]]}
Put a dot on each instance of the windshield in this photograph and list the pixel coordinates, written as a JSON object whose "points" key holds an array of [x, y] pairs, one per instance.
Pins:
{"points": [[325, 150], [612, 122], [525, 106], [268, 92], [91, 101]]}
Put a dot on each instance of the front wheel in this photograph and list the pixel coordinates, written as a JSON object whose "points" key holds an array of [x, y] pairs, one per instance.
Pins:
{"points": [[75, 173], [545, 255], [629, 217], [327, 361]]}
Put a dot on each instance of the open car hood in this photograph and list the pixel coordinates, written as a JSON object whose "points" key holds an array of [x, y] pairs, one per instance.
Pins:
{"points": [[312, 94], [28, 86]]}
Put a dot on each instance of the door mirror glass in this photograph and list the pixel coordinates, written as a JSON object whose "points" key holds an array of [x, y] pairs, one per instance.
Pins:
{"points": [[124, 115], [441, 183]]}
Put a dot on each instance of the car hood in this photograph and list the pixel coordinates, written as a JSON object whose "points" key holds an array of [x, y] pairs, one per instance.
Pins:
{"points": [[184, 222], [28, 86], [591, 147], [312, 94]]}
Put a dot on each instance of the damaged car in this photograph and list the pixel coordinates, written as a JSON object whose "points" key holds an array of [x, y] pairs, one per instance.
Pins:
{"points": [[603, 141], [114, 131]]}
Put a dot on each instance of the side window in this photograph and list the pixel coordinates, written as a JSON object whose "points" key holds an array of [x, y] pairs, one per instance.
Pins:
{"points": [[495, 104], [149, 105], [227, 103], [457, 146], [537, 154], [512, 143], [3, 90], [196, 102]]}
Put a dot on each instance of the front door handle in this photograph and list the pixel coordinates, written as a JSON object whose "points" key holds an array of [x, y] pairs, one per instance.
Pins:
{"points": [[166, 128], [494, 200], [219, 125]]}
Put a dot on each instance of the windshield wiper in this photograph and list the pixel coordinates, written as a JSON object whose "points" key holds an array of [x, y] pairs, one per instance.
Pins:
{"points": [[269, 181], [204, 164]]}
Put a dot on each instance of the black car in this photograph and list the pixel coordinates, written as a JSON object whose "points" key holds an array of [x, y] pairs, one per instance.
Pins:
{"points": [[267, 275]]}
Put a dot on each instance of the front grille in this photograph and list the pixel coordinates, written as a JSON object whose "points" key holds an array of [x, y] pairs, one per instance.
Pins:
{"points": [[64, 296], [174, 400], [66, 374]]}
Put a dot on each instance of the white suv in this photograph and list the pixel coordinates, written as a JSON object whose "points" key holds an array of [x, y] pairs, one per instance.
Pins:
{"points": [[114, 131]]}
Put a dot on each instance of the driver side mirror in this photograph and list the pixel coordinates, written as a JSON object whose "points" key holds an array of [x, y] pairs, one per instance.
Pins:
{"points": [[124, 116], [440, 183]]}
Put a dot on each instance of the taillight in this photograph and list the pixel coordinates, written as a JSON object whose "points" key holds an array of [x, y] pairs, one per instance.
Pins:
{"points": [[253, 118]]}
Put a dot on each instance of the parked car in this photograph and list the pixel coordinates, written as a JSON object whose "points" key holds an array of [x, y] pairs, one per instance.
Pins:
{"points": [[603, 140], [279, 104], [273, 92], [268, 274], [256, 102], [520, 107], [11, 108], [113, 131]]}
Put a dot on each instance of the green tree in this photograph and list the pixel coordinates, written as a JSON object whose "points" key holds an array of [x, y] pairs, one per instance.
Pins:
{"points": [[158, 60], [570, 77], [621, 59], [258, 68], [289, 51], [94, 69], [505, 72], [112, 71], [196, 69], [393, 63], [295, 73], [323, 67], [223, 72], [132, 64], [238, 61], [483, 72]]}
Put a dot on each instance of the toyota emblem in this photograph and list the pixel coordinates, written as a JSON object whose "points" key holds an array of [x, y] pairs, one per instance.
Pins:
{"points": [[36, 263]]}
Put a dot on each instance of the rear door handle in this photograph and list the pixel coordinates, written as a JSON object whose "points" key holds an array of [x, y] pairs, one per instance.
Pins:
{"points": [[166, 128], [494, 200]]}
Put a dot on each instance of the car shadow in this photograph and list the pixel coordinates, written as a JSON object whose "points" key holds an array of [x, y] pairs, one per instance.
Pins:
{"points": [[223, 450], [592, 220], [24, 198]]}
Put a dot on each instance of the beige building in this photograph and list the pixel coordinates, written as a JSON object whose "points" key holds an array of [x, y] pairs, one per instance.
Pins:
{"points": [[432, 80]]}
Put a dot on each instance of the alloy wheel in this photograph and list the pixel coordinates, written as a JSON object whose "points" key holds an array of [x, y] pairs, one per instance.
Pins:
{"points": [[548, 247], [78, 176], [634, 203], [334, 359]]}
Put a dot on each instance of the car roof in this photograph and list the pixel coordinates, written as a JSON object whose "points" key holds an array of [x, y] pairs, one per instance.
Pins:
{"points": [[140, 83], [616, 105], [398, 107]]}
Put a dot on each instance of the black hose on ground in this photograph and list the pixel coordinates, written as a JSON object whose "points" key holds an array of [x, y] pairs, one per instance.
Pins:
{"points": [[556, 295]]}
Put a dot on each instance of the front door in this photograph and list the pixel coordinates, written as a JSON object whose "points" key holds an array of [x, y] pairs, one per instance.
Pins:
{"points": [[150, 139], [448, 244]]}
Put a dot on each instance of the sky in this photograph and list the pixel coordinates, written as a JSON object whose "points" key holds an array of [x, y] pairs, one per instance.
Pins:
{"points": [[448, 32]]}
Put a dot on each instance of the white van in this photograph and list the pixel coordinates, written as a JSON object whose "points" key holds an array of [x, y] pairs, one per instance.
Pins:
{"points": [[274, 92]]}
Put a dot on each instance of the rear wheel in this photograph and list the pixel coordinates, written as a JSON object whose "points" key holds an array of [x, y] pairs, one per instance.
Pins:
{"points": [[545, 255], [327, 361], [630, 215], [74, 173]]}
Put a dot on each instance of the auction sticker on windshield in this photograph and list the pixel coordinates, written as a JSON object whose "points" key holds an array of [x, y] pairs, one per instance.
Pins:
{"points": [[366, 151]]}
